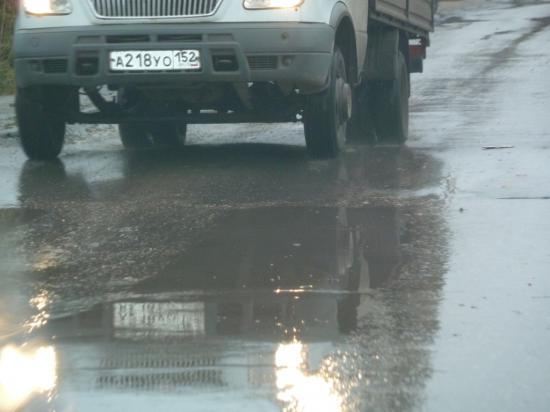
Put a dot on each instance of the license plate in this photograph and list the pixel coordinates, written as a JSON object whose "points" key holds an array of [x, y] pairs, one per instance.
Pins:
{"points": [[159, 318], [154, 60]]}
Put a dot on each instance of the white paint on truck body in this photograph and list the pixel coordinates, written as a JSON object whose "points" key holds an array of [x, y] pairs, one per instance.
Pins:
{"points": [[230, 11]]}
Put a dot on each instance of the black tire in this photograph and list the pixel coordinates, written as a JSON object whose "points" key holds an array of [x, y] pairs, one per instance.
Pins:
{"points": [[361, 128], [326, 114], [169, 135], [41, 126], [391, 106], [145, 136], [134, 136]]}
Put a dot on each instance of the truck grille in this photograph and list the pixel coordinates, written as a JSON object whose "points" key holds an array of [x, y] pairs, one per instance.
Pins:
{"points": [[154, 8], [262, 62]]}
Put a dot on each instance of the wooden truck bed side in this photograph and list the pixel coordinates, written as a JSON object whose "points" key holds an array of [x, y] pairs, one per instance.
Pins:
{"points": [[415, 16]]}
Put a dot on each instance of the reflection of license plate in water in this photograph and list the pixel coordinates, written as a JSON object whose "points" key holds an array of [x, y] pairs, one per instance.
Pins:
{"points": [[160, 319], [154, 60]]}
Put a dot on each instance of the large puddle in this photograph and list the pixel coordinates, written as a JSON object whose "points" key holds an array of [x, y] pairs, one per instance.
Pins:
{"points": [[267, 311]]}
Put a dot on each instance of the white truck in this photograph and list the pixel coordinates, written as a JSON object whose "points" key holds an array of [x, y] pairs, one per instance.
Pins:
{"points": [[341, 67]]}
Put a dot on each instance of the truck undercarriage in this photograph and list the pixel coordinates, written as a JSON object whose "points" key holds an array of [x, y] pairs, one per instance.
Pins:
{"points": [[196, 104]]}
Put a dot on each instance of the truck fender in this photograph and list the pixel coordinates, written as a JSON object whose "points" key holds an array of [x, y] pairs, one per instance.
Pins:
{"points": [[382, 52], [339, 13]]}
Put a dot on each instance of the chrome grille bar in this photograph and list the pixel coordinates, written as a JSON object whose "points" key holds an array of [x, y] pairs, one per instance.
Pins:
{"points": [[153, 8]]}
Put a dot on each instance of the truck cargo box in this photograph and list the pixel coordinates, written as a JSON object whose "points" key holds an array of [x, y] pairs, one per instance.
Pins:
{"points": [[412, 15]]}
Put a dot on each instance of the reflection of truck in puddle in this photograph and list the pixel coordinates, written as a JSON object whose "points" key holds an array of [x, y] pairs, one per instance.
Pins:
{"points": [[252, 267], [244, 314]]}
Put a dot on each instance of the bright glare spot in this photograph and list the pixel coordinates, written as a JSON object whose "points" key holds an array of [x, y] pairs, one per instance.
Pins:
{"points": [[25, 372], [37, 321], [47, 259], [290, 356], [272, 4], [38, 6], [40, 302], [285, 3], [47, 6], [300, 391]]}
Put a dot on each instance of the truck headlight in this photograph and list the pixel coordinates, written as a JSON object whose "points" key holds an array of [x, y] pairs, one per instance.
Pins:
{"points": [[271, 4], [44, 7]]}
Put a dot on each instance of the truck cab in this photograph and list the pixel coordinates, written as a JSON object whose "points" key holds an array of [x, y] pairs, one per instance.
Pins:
{"points": [[153, 67]]}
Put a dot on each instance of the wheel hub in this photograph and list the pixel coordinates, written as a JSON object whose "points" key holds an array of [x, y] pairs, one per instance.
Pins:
{"points": [[344, 99]]}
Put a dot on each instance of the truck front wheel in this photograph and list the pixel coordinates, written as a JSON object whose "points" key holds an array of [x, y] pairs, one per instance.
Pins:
{"points": [[144, 136], [391, 106], [326, 114], [41, 125]]}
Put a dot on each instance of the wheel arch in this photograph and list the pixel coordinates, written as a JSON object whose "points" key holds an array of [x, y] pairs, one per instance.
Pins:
{"points": [[344, 37]]}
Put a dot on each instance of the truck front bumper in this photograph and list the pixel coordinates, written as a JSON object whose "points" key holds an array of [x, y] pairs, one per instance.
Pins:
{"points": [[297, 53]]}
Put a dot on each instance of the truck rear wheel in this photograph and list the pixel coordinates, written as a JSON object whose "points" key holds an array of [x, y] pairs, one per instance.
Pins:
{"points": [[326, 114], [361, 127], [391, 106], [41, 127], [144, 136]]}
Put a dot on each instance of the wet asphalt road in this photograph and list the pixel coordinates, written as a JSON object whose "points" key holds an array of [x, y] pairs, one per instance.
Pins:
{"points": [[241, 276]]}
